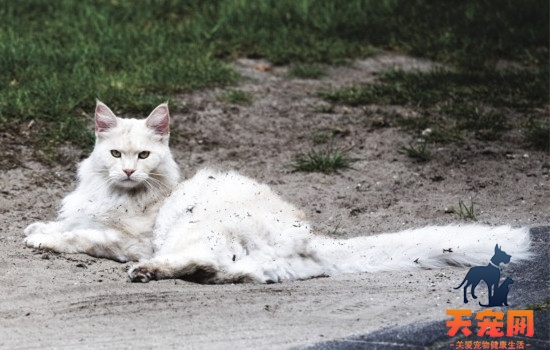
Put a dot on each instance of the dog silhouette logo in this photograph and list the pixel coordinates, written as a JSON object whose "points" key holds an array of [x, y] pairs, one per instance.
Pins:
{"points": [[490, 274]]}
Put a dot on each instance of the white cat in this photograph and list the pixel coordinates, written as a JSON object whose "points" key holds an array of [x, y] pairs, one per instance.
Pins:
{"points": [[222, 227]]}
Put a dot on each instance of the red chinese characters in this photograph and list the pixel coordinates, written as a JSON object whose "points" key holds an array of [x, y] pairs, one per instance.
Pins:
{"points": [[491, 323]]}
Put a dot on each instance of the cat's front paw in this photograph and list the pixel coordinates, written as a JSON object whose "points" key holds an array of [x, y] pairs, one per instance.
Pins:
{"points": [[37, 227], [39, 240], [41, 235], [46, 228], [141, 274]]}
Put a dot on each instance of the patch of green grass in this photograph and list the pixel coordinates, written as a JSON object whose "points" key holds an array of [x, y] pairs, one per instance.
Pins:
{"points": [[454, 101], [469, 33], [510, 89], [58, 57], [466, 212], [329, 160], [306, 71], [417, 151], [238, 97], [537, 134], [486, 124]]}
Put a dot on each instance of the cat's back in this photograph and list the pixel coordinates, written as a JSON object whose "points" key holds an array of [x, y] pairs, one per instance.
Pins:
{"points": [[216, 195], [217, 187]]}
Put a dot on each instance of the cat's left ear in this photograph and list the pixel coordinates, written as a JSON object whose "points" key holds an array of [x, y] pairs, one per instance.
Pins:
{"points": [[159, 120]]}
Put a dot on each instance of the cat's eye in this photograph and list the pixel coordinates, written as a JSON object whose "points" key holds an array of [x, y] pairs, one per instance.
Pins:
{"points": [[115, 153], [143, 154]]}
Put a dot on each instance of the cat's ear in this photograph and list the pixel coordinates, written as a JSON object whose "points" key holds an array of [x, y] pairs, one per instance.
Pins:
{"points": [[105, 119], [159, 120]]}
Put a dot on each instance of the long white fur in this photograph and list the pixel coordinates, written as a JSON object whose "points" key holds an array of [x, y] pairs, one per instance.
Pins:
{"points": [[220, 227], [242, 229]]}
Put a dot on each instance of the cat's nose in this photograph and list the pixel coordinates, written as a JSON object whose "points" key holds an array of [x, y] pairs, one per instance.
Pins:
{"points": [[128, 172]]}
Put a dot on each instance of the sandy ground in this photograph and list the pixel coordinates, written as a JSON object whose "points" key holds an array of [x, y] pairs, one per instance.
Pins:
{"points": [[76, 301]]}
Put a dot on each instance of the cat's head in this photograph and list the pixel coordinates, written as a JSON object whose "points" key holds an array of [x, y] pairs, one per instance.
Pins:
{"points": [[132, 153]]}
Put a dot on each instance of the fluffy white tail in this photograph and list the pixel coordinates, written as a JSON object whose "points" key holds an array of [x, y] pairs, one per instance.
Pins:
{"points": [[428, 247]]}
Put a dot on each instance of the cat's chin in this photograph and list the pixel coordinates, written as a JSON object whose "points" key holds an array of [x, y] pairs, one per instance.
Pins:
{"points": [[129, 184]]}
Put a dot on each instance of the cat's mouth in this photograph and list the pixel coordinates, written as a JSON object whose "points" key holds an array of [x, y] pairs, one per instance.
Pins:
{"points": [[129, 183]]}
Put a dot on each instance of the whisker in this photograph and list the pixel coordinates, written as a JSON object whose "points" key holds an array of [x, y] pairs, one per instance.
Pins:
{"points": [[160, 185], [159, 192], [103, 184], [159, 182], [156, 193]]}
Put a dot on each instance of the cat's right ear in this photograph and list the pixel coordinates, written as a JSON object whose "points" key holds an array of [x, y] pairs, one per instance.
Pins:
{"points": [[159, 120], [105, 119]]}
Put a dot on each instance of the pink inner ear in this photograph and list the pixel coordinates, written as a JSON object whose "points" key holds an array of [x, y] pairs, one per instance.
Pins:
{"points": [[104, 118], [159, 120]]}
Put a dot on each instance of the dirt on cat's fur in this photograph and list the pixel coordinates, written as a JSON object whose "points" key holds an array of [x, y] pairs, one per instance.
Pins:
{"points": [[76, 301]]}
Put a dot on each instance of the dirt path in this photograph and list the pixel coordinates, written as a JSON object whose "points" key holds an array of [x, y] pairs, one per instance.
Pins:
{"points": [[75, 301]]}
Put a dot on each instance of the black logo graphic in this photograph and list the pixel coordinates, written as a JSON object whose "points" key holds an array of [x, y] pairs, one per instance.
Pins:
{"points": [[498, 295]]}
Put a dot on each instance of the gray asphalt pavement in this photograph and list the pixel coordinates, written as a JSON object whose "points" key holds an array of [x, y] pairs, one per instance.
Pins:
{"points": [[531, 288]]}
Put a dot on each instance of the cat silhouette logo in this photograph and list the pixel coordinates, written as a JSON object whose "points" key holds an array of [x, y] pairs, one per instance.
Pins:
{"points": [[490, 274]]}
